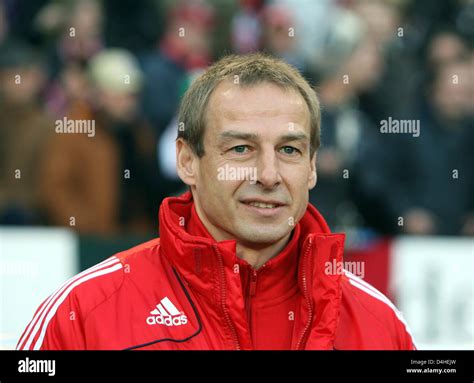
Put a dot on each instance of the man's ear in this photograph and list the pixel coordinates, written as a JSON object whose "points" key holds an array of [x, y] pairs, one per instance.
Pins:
{"points": [[186, 162], [313, 177]]}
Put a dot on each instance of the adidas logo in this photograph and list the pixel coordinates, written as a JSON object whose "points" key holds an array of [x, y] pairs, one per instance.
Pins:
{"points": [[166, 313]]}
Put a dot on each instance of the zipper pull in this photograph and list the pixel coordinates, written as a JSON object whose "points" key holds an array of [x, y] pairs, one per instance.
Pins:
{"points": [[253, 283]]}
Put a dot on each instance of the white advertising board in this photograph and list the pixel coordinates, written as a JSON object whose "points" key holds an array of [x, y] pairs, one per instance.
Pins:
{"points": [[432, 280], [34, 262]]}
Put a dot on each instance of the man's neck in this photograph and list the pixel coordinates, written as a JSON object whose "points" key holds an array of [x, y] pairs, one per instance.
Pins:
{"points": [[256, 256]]}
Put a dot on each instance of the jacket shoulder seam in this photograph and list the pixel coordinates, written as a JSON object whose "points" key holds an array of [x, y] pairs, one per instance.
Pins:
{"points": [[129, 252], [116, 290]]}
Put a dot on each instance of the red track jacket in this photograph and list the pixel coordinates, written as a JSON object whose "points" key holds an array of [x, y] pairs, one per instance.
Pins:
{"points": [[187, 291]]}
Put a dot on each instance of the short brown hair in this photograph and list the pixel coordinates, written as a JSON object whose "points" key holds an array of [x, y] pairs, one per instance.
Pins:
{"points": [[250, 69]]}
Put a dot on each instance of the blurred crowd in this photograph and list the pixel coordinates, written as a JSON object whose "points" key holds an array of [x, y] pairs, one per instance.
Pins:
{"points": [[125, 64]]}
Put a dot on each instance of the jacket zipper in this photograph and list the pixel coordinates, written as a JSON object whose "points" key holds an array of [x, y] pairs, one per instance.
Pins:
{"points": [[251, 293], [305, 294], [223, 296]]}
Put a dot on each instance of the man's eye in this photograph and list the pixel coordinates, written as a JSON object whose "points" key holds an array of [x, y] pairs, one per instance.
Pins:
{"points": [[240, 149], [289, 150]]}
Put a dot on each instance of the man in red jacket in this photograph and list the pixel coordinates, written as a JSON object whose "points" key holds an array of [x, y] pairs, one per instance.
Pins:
{"points": [[241, 262]]}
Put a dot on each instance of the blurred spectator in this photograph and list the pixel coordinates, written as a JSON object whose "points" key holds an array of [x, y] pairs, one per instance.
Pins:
{"points": [[170, 183], [185, 47], [133, 25], [398, 87], [18, 16], [352, 64], [312, 19], [445, 46], [279, 35], [24, 127], [104, 182], [426, 16], [246, 34], [70, 91], [74, 29], [382, 18], [425, 184]]}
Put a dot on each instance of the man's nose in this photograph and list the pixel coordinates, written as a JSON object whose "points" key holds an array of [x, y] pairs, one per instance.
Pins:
{"points": [[268, 172]]}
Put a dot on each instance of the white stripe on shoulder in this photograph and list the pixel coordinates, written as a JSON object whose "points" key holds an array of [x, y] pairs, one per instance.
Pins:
{"points": [[38, 318], [64, 295], [364, 283], [372, 291]]}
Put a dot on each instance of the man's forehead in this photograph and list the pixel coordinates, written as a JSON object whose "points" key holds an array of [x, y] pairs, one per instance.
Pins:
{"points": [[236, 102]]}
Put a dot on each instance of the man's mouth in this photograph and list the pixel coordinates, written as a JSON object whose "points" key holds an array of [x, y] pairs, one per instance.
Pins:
{"points": [[263, 204]]}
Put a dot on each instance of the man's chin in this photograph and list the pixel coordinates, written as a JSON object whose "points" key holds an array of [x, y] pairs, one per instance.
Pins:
{"points": [[262, 235]]}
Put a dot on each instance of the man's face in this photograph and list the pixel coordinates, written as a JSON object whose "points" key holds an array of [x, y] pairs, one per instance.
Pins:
{"points": [[252, 183]]}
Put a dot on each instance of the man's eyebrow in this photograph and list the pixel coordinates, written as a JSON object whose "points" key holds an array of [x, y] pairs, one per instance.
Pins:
{"points": [[233, 134], [239, 135], [294, 137]]}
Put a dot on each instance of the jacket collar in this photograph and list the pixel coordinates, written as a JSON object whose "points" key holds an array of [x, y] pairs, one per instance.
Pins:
{"points": [[186, 242], [276, 278]]}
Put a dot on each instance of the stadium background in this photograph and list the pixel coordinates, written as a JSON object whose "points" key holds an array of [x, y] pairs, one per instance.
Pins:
{"points": [[406, 201]]}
